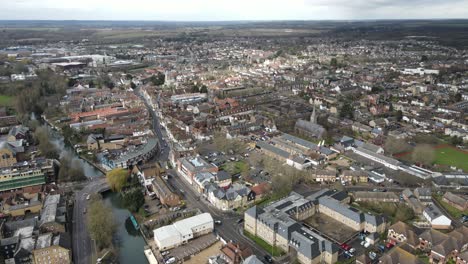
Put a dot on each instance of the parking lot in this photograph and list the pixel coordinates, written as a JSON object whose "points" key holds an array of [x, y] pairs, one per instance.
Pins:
{"points": [[184, 252], [359, 249], [205, 254]]}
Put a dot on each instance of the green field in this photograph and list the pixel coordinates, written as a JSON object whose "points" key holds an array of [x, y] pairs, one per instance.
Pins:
{"points": [[452, 157], [6, 100]]}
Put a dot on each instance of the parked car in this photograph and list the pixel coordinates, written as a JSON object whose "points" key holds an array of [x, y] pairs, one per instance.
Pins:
{"points": [[352, 250], [170, 260], [218, 222], [165, 253], [389, 245], [372, 255], [367, 244], [268, 258], [345, 246], [381, 248]]}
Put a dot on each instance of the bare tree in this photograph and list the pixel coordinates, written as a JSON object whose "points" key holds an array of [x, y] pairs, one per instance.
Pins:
{"points": [[396, 145], [423, 154]]}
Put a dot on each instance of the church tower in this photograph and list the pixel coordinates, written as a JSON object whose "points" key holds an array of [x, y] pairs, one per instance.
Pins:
{"points": [[313, 117]]}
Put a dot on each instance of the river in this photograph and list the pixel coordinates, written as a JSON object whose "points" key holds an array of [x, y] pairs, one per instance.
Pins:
{"points": [[129, 241]]}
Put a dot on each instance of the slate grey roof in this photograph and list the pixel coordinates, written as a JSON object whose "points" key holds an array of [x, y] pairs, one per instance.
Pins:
{"points": [[433, 212], [9, 241], [15, 225], [311, 244], [374, 220], [341, 209], [314, 129], [223, 175], [423, 191], [273, 149], [253, 211], [299, 141], [326, 151]]}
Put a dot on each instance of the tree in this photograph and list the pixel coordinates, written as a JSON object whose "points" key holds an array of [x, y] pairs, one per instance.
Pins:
{"points": [[347, 110], [204, 89], [101, 224], [47, 149], [158, 79], [133, 199], [423, 154], [404, 213], [334, 62], [117, 178], [70, 170], [399, 115], [458, 97], [395, 145], [456, 140], [71, 82]]}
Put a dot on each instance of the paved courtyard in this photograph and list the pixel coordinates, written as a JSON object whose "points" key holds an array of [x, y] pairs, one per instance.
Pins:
{"points": [[330, 228], [193, 247]]}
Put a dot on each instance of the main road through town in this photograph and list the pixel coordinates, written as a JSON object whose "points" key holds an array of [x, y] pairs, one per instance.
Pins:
{"points": [[230, 229]]}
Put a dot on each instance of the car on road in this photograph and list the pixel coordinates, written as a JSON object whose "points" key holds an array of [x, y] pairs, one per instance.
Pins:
{"points": [[218, 222], [88, 197], [268, 259], [84, 211]]}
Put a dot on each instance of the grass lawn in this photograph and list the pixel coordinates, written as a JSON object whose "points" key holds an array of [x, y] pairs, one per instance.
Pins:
{"points": [[6, 100], [450, 209], [451, 157], [275, 250], [424, 259], [236, 167]]}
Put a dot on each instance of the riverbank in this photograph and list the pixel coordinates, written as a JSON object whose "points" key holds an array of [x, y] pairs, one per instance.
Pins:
{"points": [[58, 129], [128, 241]]}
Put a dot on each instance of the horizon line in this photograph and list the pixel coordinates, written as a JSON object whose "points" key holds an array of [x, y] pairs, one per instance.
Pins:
{"points": [[236, 20]]}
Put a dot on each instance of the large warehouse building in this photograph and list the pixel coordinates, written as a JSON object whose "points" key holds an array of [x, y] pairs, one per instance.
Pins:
{"points": [[182, 231]]}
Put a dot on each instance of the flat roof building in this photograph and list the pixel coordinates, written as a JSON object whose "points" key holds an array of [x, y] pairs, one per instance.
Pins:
{"points": [[182, 231]]}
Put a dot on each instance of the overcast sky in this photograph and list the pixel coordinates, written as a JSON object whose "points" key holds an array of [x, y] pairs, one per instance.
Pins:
{"points": [[212, 10]]}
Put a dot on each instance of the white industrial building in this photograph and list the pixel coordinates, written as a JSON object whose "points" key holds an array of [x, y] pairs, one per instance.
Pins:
{"points": [[182, 231]]}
